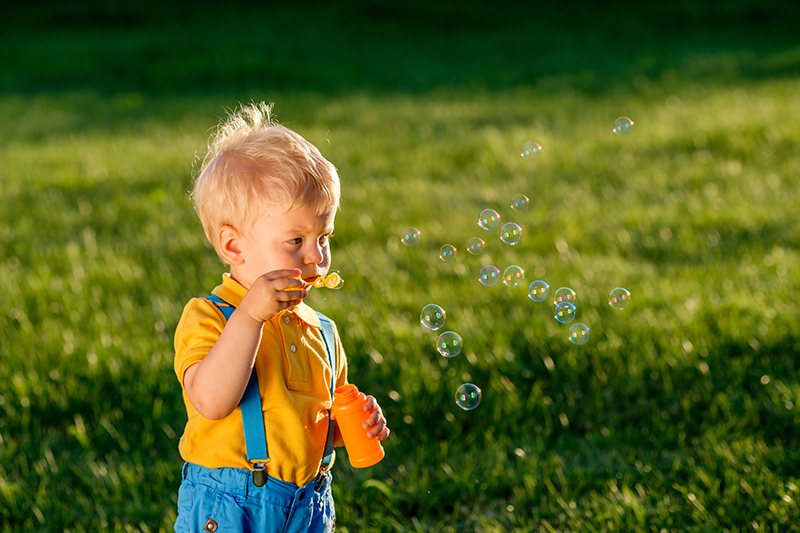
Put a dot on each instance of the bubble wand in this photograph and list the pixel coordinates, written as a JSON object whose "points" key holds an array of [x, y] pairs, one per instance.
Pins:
{"points": [[331, 281]]}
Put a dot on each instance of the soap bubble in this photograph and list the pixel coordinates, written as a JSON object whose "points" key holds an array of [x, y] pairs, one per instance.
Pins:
{"points": [[531, 151], [410, 237], [519, 202], [619, 298], [564, 294], [449, 344], [489, 219], [565, 312], [432, 317], [623, 126], [319, 282], [538, 291], [579, 333], [468, 396], [489, 275], [447, 253], [513, 276], [334, 280], [475, 246], [510, 233]]}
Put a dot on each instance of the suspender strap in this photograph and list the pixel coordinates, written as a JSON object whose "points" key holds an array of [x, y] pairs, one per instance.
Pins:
{"points": [[327, 336], [226, 308], [255, 434]]}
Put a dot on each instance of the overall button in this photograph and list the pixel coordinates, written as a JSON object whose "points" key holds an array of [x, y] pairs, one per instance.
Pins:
{"points": [[286, 319], [293, 348], [210, 526]]}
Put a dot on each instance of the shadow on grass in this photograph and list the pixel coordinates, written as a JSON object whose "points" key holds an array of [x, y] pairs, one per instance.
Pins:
{"points": [[203, 48]]}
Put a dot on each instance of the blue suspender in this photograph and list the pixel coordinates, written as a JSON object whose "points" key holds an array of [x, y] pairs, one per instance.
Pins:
{"points": [[327, 336], [255, 435]]}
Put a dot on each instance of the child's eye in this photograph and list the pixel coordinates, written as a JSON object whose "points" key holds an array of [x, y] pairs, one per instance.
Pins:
{"points": [[298, 240], [323, 240]]}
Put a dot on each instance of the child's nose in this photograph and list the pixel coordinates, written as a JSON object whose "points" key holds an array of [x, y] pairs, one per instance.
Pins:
{"points": [[313, 255]]}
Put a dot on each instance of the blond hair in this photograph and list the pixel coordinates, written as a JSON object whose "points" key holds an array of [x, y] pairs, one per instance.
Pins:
{"points": [[253, 162]]}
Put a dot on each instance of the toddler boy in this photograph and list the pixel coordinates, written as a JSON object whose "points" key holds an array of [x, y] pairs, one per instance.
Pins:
{"points": [[267, 200]]}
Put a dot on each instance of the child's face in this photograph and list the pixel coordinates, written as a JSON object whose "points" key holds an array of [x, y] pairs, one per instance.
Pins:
{"points": [[278, 240]]}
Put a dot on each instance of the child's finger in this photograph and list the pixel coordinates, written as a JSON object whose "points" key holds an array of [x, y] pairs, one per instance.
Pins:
{"points": [[284, 296], [288, 284], [374, 418], [383, 434], [285, 273], [289, 304], [378, 429], [371, 403]]}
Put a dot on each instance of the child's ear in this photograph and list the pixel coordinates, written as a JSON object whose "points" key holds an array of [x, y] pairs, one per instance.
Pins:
{"points": [[230, 246]]}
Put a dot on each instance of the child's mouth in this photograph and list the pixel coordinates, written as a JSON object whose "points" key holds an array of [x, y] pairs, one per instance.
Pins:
{"points": [[311, 281]]}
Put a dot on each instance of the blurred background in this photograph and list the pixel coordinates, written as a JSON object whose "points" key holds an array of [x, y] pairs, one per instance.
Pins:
{"points": [[679, 413]]}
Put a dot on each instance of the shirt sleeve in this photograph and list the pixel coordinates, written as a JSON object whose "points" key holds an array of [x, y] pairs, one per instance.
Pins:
{"points": [[198, 331]]}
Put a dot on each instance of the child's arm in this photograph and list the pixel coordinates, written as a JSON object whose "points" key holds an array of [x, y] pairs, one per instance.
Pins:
{"points": [[216, 384]]}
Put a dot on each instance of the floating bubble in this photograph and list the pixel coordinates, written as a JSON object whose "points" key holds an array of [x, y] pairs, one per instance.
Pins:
{"points": [[619, 298], [468, 396], [432, 317], [449, 344], [623, 126], [565, 312], [579, 333], [520, 202], [564, 294], [538, 291], [334, 280], [513, 276], [489, 219], [531, 151], [410, 237], [510, 233], [319, 282], [476, 246], [489, 275], [447, 253]]}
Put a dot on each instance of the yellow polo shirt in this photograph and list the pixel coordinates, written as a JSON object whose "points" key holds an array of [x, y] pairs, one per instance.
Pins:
{"points": [[294, 378]]}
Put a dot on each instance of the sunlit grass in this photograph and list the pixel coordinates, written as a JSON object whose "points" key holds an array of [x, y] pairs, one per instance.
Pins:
{"points": [[678, 413]]}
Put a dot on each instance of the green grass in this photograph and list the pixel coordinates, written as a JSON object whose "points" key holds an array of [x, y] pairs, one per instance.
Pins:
{"points": [[679, 414]]}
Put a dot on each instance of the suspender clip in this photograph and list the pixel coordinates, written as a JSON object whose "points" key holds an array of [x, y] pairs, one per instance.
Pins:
{"points": [[323, 473], [260, 474]]}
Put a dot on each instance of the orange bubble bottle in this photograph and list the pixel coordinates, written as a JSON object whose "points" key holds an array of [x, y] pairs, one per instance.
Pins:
{"points": [[348, 406]]}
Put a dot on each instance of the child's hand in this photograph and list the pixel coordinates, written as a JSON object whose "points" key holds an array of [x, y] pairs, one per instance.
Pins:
{"points": [[376, 423], [273, 292]]}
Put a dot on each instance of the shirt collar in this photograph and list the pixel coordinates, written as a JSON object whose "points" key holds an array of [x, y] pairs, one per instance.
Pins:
{"points": [[233, 292]]}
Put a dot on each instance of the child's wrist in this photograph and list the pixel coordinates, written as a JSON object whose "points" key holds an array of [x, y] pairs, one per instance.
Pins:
{"points": [[257, 319]]}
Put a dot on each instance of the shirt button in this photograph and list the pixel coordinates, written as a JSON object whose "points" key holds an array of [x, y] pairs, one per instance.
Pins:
{"points": [[286, 319], [293, 348]]}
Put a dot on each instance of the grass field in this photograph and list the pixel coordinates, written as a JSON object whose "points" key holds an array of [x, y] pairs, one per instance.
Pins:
{"points": [[679, 414]]}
